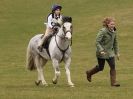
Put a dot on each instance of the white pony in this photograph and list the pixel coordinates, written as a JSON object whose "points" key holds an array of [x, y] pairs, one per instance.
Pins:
{"points": [[59, 50]]}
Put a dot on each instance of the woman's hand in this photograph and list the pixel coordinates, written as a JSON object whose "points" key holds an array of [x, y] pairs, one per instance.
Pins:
{"points": [[102, 53], [118, 56]]}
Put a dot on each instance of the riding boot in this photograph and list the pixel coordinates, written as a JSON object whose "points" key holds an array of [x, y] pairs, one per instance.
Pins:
{"points": [[91, 72], [113, 78], [43, 42]]}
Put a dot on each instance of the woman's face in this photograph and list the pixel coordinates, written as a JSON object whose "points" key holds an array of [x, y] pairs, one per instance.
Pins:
{"points": [[57, 12], [111, 25]]}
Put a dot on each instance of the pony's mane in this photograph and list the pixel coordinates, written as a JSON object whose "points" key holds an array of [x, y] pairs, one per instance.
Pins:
{"points": [[66, 19]]}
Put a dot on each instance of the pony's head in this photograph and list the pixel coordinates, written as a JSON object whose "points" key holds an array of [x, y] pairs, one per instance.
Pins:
{"points": [[67, 27]]}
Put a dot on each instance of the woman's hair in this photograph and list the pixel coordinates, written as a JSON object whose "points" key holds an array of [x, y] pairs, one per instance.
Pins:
{"points": [[107, 20]]}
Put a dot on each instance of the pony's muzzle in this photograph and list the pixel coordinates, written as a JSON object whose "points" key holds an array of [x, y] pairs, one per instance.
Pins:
{"points": [[68, 35]]}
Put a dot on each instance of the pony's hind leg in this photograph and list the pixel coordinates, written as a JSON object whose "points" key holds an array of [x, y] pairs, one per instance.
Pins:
{"points": [[39, 64], [57, 70], [67, 67]]}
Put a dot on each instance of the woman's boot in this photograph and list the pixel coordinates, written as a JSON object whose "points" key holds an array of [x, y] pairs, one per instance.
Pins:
{"points": [[113, 78], [89, 73]]}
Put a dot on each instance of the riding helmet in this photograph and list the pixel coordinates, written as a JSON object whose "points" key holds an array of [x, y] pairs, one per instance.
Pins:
{"points": [[55, 7]]}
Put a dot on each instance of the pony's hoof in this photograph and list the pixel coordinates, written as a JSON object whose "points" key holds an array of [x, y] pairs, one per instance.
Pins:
{"points": [[37, 82], [54, 81], [45, 85], [72, 86]]}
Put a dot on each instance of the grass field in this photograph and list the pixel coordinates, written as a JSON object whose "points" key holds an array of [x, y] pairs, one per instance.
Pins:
{"points": [[22, 19]]}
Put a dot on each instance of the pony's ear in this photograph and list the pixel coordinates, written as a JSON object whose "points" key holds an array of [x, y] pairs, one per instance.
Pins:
{"points": [[67, 19], [70, 19]]}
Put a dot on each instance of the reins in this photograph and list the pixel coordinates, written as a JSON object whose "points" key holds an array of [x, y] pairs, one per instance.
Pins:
{"points": [[63, 51]]}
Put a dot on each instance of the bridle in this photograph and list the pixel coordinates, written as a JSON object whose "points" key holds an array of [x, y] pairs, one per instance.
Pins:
{"points": [[64, 34]]}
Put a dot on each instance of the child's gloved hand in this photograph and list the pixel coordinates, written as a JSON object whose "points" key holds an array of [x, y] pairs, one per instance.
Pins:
{"points": [[54, 21]]}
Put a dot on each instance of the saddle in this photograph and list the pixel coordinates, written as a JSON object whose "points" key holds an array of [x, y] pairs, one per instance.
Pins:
{"points": [[55, 30], [46, 45]]}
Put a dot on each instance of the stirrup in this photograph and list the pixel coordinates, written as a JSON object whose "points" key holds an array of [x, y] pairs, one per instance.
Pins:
{"points": [[40, 48]]}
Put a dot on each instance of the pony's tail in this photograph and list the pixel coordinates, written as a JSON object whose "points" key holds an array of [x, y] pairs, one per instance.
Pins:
{"points": [[30, 64]]}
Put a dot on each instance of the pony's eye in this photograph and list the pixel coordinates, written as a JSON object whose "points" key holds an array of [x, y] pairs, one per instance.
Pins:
{"points": [[71, 27], [63, 27]]}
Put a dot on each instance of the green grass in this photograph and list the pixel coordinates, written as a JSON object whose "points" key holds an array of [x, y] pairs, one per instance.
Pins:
{"points": [[22, 19]]}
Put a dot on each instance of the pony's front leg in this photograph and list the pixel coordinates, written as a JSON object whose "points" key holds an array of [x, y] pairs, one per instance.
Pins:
{"points": [[67, 67], [39, 66], [57, 70]]}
